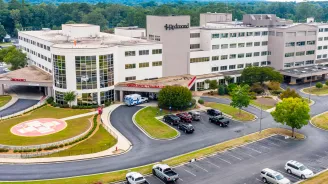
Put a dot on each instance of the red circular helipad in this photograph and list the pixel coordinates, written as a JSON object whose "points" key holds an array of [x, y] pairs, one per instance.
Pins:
{"points": [[38, 127]]}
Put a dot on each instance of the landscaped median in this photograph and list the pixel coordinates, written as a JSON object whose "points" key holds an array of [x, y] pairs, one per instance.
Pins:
{"points": [[120, 175], [319, 179], [145, 119], [231, 111], [4, 99], [316, 91], [321, 121]]}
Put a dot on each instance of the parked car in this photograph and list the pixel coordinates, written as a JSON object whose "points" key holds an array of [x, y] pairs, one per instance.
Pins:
{"points": [[6, 70], [165, 173], [297, 168], [144, 100], [271, 176], [135, 178], [185, 117], [219, 120], [195, 115], [187, 128], [214, 112], [171, 119]]}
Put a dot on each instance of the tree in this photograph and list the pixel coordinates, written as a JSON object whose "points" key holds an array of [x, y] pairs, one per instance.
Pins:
{"points": [[289, 93], [69, 97], [326, 83], [318, 85], [254, 74], [176, 97], [95, 17], [293, 112], [16, 58], [240, 97], [2, 32], [221, 90]]}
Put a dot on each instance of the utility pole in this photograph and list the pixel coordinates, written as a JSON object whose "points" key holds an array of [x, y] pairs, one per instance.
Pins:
{"points": [[261, 120]]}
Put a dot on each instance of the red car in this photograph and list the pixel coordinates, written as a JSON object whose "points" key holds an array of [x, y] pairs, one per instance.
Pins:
{"points": [[185, 117]]}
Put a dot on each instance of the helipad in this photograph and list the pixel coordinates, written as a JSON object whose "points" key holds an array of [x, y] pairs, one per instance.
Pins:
{"points": [[38, 127]]}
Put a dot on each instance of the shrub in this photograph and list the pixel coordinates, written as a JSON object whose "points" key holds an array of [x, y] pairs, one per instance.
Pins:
{"points": [[326, 83], [221, 90], [176, 97], [2, 150], [289, 93], [201, 101], [318, 85], [107, 103], [50, 100], [40, 149], [231, 87], [252, 95], [257, 88], [276, 92], [273, 85]]}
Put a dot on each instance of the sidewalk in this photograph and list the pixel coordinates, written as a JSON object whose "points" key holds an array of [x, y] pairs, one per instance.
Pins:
{"points": [[123, 144]]}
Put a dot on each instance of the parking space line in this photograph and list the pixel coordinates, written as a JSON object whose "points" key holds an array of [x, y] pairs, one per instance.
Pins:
{"points": [[278, 139], [315, 169], [247, 154], [159, 179], [180, 179], [223, 159], [189, 172], [252, 149], [319, 156], [212, 164], [234, 157], [200, 167], [262, 145], [295, 177], [270, 142]]}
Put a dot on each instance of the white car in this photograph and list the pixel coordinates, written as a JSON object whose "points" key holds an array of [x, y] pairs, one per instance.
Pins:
{"points": [[6, 70], [298, 169], [135, 178], [144, 100], [271, 176]]}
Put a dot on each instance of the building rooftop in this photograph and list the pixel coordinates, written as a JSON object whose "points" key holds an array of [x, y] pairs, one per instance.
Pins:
{"points": [[306, 71], [27, 74], [130, 28]]}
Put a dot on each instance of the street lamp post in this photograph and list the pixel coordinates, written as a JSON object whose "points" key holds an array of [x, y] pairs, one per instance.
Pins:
{"points": [[261, 120], [310, 87]]}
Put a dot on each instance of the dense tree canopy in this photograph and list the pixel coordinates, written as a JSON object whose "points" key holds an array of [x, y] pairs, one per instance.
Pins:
{"points": [[254, 74], [176, 97], [17, 14], [2, 32], [16, 58], [240, 97]]}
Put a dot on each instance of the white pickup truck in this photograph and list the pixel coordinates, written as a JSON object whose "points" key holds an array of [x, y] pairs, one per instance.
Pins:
{"points": [[135, 178], [165, 173]]}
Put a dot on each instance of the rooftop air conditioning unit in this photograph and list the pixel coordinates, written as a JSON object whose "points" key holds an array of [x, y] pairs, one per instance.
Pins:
{"points": [[303, 71]]}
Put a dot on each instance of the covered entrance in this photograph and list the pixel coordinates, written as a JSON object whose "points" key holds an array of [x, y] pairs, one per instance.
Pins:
{"points": [[305, 74]]}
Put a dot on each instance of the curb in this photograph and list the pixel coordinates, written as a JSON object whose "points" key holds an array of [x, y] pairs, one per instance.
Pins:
{"points": [[316, 125], [13, 100], [312, 176], [146, 133], [302, 90]]}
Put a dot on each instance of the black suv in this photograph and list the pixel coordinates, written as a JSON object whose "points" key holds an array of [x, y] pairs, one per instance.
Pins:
{"points": [[214, 112], [187, 128], [171, 119], [219, 120]]}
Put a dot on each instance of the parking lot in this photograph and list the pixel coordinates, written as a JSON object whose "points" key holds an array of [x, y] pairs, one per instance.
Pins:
{"points": [[219, 167]]}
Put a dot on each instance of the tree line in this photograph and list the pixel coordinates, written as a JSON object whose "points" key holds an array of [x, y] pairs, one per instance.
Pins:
{"points": [[18, 15]]}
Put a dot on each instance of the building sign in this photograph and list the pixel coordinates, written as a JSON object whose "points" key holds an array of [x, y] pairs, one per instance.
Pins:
{"points": [[19, 80], [176, 26], [144, 86]]}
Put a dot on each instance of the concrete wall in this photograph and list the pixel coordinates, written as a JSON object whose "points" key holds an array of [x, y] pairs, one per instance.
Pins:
{"points": [[133, 32], [214, 17], [80, 30]]}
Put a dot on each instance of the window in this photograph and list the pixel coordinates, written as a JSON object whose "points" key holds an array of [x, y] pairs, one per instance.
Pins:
{"points": [[151, 37], [59, 97], [325, 38], [302, 53], [157, 38], [300, 43], [143, 65], [224, 46], [320, 38], [215, 47], [157, 63], [326, 29], [300, 63], [130, 53], [310, 52], [130, 78], [107, 96], [256, 54], [256, 64], [257, 33], [241, 55], [289, 54], [249, 54], [241, 34], [257, 44], [240, 66], [197, 60], [215, 69], [290, 44], [224, 35], [324, 56], [288, 65], [319, 47], [215, 58], [222, 68], [194, 46], [194, 35], [279, 33], [325, 47], [264, 43], [143, 52], [263, 63], [232, 35], [310, 42], [87, 99], [157, 51], [224, 57], [215, 35], [233, 45], [268, 62], [249, 44], [309, 62], [240, 45], [232, 67], [318, 56], [232, 56], [248, 64], [59, 71], [106, 70], [130, 66], [249, 34], [321, 30], [269, 53], [86, 72], [264, 33], [264, 53], [271, 33]]}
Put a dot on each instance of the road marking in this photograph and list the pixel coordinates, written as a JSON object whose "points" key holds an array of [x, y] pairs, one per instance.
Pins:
{"points": [[295, 177], [189, 172], [262, 145], [160, 179], [234, 157], [212, 164], [315, 169], [278, 139], [200, 167], [270, 142], [247, 154], [180, 179], [223, 159], [319, 156], [252, 149]]}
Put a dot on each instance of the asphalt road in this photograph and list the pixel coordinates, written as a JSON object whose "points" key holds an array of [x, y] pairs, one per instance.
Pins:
{"points": [[19, 105], [146, 150]]}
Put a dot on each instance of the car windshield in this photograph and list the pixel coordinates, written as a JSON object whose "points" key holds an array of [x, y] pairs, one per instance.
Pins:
{"points": [[279, 177], [139, 179], [302, 168]]}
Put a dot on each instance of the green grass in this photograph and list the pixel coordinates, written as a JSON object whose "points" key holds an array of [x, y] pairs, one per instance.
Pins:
{"points": [[100, 141], [227, 109], [321, 121], [4, 100], [6, 44], [264, 107], [155, 128], [319, 179], [317, 91], [74, 126]]}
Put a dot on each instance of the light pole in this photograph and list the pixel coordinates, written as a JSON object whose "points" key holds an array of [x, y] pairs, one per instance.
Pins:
{"points": [[261, 120], [311, 82]]}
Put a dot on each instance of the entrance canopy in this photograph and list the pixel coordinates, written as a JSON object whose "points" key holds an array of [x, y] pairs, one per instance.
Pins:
{"points": [[305, 71]]}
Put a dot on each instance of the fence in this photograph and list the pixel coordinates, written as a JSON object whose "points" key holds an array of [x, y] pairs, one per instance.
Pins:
{"points": [[108, 128]]}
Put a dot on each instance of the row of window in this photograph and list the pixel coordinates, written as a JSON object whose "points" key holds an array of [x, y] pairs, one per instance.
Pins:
{"points": [[240, 45], [87, 98], [241, 34], [154, 37], [37, 54], [143, 65], [231, 56], [301, 53], [130, 78], [299, 63], [322, 47], [323, 56], [239, 66], [322, 38], [323, 29], [41, 66], [45, 47], [293, 34], [300, 43], [194, 35], [142, 52]]}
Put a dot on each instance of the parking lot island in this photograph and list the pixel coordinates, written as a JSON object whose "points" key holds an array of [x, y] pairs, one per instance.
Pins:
{"points": [[316, 91], [321, 121]]}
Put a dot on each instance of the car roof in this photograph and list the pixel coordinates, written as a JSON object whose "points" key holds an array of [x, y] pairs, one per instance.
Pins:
{"points": [[163, 166], [297, 164], [135, 174], [275, 173]]}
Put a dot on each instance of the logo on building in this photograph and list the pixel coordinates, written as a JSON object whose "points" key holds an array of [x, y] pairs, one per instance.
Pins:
{"points": [[176, 26]]}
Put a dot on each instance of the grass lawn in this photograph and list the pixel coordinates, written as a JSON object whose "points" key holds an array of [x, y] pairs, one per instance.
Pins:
{"points": [[264, 107], [6, 44], [320, 179], [317, 91], [234, 112], [74, 127], [120, 175], [4, 100], [321, 121], [100, 141], [155, 128]]}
